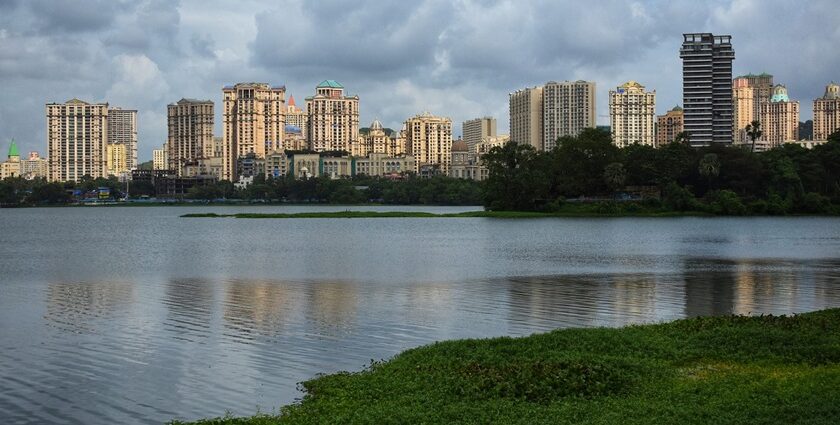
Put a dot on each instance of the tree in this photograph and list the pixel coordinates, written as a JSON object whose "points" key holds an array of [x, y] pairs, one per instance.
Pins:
{"points": [[682, 138], [519, 178], [709, 166], [615, 175], [754, 132]]}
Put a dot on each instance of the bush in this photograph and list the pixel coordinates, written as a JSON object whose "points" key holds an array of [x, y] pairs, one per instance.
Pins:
{"points": [[814, 203], [679, 198], [776, 205], [726, 202], [758, 207]]}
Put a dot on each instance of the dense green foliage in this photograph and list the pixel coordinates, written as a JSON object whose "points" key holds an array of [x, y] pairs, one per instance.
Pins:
{"points": [[717, 179], [361, 189], [19, 191], [720, 370]]}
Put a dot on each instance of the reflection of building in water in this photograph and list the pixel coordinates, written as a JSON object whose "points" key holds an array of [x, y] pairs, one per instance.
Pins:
{"points": [[760, 289], [709, 287], [190, 303], [633, 299], [333, 305], [544, 303], [259, 307], [81, 307]]}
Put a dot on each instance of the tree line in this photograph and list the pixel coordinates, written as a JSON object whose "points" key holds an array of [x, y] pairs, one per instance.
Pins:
{"points": [[728, 180]]}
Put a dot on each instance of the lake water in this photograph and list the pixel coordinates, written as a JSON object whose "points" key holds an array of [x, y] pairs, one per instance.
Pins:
{"points": [[134, 315]]}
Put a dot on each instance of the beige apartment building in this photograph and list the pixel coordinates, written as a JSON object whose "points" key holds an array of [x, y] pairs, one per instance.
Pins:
{"points": [[253, 117], [526, 116], [632, 115], [34, 166], [333, 118], [749, 92], [779, 118], [377, 140], [77, 136], [122, 130], [568, 108], [476, 130], [190, 138], [295, 116], [668, 126], [827, 112], [489, 143], [159, 158], [381, 164], [429, 141], [116, 158]]}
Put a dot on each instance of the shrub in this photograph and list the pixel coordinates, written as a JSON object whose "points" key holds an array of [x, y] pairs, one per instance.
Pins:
{"points": [[726, 202], [679, 198], [814, 203]]}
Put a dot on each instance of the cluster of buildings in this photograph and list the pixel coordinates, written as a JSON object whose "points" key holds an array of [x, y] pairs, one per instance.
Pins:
{"points": [[264, 134]]}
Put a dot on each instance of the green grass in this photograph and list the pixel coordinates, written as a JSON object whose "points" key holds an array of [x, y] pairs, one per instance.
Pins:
{"points": [[721, 370]]}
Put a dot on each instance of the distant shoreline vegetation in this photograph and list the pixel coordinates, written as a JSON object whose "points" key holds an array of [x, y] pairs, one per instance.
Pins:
{"points": [[585, 175]]}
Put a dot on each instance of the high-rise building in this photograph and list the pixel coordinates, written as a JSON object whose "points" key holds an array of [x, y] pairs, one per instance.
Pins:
{"points": [[254, 121], [190, 124], [632, 115], [34, 166], [296, 116], [568, 108], [116, 158], [827, 112], [375, 140], [707, 87], [76, 139], [749, 92], [779, 118], [668, 126], [477, 129], [429, 141], [122, 130], [159, 158], [11, 166], [333, 118], [526, 117]]}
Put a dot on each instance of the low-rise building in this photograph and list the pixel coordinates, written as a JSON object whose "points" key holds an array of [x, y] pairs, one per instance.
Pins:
{"points": [[11, 167]]}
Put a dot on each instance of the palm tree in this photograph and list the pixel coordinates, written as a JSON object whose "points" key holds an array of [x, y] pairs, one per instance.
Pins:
{"points": [[709, 167], [754, 132], [615, 175]]}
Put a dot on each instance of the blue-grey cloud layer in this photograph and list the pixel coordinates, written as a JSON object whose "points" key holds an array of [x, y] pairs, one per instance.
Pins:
{"points": [[457, 58]]}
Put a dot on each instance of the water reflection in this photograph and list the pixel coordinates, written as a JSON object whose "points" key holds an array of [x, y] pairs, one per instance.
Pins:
{"points": [[82, 306], [260, 307]]}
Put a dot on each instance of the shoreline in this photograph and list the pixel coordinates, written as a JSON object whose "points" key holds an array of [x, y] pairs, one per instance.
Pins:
{"points": [[487, 214], [735, 369]]}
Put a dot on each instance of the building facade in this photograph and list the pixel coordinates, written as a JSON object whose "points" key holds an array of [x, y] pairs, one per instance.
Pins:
{"points": [[333, 118], [122, 130], [749, 92], [668, 126], [827, 112], [253, 123], [429, 141], [568, 108], [526, 116], [477, 129], [116, 158], [11, 166], [779, 118], [76, 140], [190, 133], [707, 87], [34, 166], [632, 115], [159, 158]]}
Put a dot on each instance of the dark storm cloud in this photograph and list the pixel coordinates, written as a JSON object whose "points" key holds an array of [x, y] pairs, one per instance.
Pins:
{"points": [[456, 58]]}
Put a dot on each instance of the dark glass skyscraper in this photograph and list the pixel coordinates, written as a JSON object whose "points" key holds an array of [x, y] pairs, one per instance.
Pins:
{"points": [[707, 87]]}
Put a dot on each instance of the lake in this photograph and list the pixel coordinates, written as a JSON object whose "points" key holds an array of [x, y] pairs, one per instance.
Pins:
{"points": [[135, 315]]}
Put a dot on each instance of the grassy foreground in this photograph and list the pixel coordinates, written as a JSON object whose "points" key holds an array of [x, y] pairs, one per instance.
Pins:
{"points": [[720, 370]]}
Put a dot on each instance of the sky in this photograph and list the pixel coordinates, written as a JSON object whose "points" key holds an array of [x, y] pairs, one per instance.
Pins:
{"points": [[456, 58]]}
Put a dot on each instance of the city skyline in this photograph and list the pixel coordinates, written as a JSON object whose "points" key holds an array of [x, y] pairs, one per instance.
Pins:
{"points": [[147, 55]]}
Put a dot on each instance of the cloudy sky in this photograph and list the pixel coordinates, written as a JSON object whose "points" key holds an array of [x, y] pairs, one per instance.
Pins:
{"points": [[458, 58]]}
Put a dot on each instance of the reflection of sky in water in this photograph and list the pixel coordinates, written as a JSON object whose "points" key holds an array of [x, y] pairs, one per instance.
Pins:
{"points": [[188, 318]]}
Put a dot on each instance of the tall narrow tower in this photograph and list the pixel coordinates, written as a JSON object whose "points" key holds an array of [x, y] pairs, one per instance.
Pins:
{"points": [[707, 87]]}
